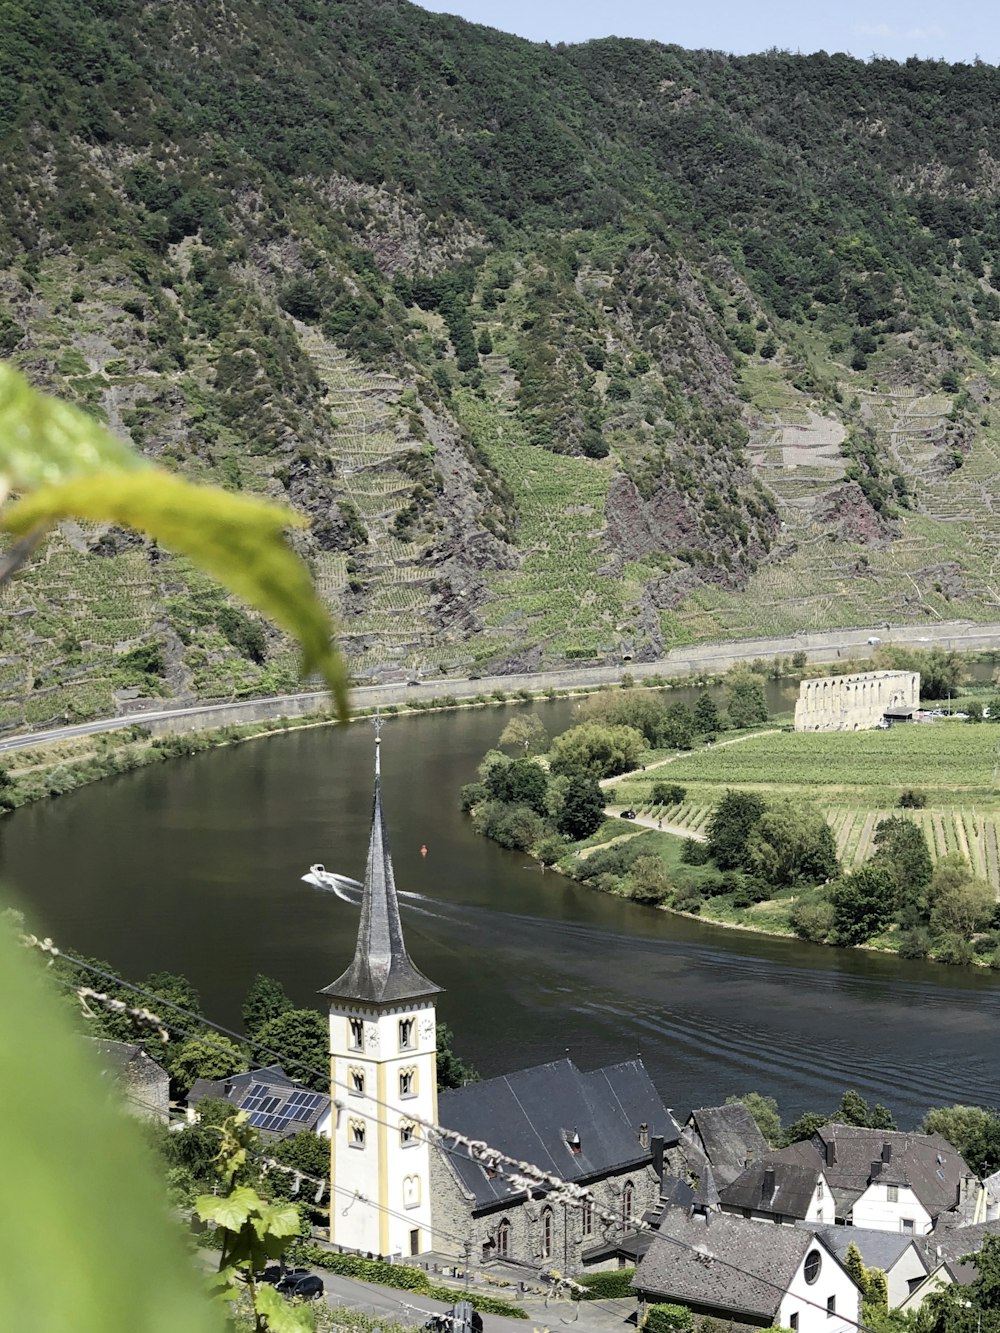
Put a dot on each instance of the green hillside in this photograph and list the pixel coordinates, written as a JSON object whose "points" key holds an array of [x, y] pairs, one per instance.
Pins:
{"points": [[561, 349]]}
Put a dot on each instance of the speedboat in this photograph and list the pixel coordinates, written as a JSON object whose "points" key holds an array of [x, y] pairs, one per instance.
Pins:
{"points": [[341, 885]]}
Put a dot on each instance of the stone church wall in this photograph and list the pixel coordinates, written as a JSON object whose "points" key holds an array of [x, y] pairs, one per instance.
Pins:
{"points": [[454, 1218], [854, 703]]}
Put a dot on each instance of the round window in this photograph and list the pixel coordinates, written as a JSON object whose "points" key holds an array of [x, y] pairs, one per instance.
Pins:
{"points": [[812, 1265]]}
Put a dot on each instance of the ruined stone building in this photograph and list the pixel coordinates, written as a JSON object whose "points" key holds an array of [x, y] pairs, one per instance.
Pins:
{"points": [[857, 702]]}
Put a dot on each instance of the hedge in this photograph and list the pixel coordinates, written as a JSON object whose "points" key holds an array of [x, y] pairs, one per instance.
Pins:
{"points": [[404, 1277], [608, 1286]]}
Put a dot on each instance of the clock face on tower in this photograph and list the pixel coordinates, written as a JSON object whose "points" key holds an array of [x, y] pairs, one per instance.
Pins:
{"points": [[427, 1028], [371, 1036]]}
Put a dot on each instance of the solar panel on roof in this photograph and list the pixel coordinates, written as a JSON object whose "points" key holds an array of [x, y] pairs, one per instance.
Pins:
{"points": [[258, 1090]]}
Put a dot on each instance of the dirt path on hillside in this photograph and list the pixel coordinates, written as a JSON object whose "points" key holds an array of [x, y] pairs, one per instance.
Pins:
{"points": [[684, 754]]}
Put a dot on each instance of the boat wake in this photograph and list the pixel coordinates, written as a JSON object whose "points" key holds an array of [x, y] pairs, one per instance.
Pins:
{"points": [[347, 890]]}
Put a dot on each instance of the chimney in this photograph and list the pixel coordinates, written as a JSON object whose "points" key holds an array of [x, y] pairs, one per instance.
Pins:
{"points": [[876, 1170], [831, 1152], [656, 1148], [644, 1135], [767, 1185], [887, 1151]]}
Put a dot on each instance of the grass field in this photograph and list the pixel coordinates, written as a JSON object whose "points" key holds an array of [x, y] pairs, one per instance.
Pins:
{"points": [[856, 778]]}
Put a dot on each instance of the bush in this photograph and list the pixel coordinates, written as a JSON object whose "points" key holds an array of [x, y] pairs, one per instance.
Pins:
{"points": [[953, 949], [607, 1286], [402, 1277], [667, 793], [695, 853], [750, 892], [688, 899], [812, 921], [667, 1319], [915, 943], [549, 850], [471, 795], [911, 799]]}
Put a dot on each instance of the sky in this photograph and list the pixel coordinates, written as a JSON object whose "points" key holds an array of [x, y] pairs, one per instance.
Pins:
{"points": [[961, 30]]}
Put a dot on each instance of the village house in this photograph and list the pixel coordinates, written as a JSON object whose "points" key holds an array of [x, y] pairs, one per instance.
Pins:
{"points": [[946, 1256], [277, 1106], [732, 1268], [891, 1181], [776, 1191], [900, 1257], [727, 1137], [144, 1084]]}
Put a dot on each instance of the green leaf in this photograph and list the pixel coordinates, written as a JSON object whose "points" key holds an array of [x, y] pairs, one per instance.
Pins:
{"points": [[278, 1219], [231, 1211], [281, 1317], [238, 539], [222, 1285], [44, 442], [86, 1237]]}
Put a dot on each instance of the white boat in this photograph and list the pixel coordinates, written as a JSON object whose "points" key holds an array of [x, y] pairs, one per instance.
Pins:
{"points": [[341, 885]]}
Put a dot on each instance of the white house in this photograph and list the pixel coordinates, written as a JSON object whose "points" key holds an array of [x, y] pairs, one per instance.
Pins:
{"points": [[776, 1191], [733, 1268], [900, 1257]]}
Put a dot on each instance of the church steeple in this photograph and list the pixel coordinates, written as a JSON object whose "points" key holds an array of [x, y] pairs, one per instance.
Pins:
{"points": [[382, 971]]}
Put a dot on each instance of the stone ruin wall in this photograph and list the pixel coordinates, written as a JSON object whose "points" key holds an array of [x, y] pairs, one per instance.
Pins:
{"points": [[854, 703]]}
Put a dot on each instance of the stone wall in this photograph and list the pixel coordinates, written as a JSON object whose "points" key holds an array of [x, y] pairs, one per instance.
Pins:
{"points": [[854, 703], [453, 1219]]}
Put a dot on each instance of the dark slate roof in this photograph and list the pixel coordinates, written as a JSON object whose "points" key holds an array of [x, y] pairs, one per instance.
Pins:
{"points": [[707, 1194], [927, 1163], [879, 1249], [277, 1085], [120, 1054], [729, 1137], [771, 1186], [532, 1114], [382, 971], [722, 1261], [952, 1245]]}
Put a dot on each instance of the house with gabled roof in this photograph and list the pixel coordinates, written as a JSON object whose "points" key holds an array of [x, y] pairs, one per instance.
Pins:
{"points": [[727, 1137], [733, 1268], [144, 1084], [900, 1257], [771, 1190], [606, 1129], [948, 1255], [277, 1106], [892, 1181]]}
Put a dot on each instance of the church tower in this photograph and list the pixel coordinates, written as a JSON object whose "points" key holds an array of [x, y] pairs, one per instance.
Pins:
{"points": [[383, 1070]]}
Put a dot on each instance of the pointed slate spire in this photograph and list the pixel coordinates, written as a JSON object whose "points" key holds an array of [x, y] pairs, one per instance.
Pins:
{"points": [[706, 1196], [382, 971]]}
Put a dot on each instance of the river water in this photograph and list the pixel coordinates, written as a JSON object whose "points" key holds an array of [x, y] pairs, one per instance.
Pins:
{"points": [[194, 866]]}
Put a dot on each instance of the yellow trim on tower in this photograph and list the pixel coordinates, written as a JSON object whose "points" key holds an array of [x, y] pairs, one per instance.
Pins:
{"points": [[333, 1145], [383, 1162]]}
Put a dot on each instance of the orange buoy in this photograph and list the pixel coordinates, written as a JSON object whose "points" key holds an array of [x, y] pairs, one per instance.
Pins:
{"points": [[423, 849]]}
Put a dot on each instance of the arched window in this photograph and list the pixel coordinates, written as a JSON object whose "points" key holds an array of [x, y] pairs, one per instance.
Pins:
{"points": [[407, 1133], [628, 1201], [546, 1233], [356, 1133], [407, 1033], [357, 1032], [503, 1240], [411, 1191], [408, 1082], [588, 1217], [356, 1078]]}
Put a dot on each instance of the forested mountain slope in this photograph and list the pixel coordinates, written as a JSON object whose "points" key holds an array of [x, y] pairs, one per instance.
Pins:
{"points": [[565, 351]]}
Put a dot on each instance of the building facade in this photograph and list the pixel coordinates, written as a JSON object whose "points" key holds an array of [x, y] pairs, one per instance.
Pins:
{"points": [[383, 1075], [854, 703]]}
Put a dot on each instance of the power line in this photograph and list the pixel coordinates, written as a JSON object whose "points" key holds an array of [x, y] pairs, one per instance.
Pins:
{"points": [[527, 1177]]}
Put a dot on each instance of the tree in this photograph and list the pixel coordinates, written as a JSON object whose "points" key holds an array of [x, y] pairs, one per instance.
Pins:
{"points": [[266, 999], [516, 827], [678, 727], [525, 732], [973, 1131], [521, 782], [962, 904], [804, 1128], [745, 702], [300, 1039], [582, 810], [647, 881], [706, 715], [667, 793], [452, 1071], [598, 750], [765, 1111], [901, 849], [640, 709], [730, 825], [854, 1110], [306, 1152], [864, 904], [210, 1056], [791, 844]]}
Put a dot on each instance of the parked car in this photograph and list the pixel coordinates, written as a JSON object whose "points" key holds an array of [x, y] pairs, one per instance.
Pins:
{"points": [[307, 1286], [628, 814]]}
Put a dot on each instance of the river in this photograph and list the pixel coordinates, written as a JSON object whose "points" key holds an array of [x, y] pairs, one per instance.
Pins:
{"points": [[194, 866]]}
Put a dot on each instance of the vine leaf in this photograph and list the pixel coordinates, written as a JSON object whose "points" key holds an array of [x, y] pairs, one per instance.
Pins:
{"points": [[72, 467], [281, 1317]]}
